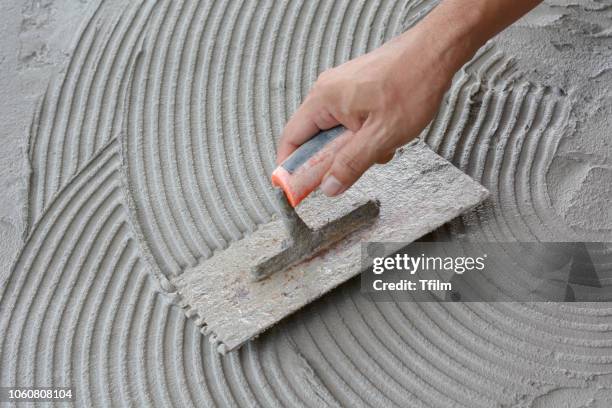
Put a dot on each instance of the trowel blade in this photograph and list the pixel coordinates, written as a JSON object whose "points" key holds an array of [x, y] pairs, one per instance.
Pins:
{"points": [[418, 191]]}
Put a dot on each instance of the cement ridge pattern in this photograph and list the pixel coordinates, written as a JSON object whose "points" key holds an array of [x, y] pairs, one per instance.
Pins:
{"points": [[151, 152]]}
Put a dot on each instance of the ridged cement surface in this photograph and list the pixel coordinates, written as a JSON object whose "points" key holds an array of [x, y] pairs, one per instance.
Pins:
{"points": [[151, 151]]}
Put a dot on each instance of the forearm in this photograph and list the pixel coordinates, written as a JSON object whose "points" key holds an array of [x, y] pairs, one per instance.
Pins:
{"points": [[456, 29]]}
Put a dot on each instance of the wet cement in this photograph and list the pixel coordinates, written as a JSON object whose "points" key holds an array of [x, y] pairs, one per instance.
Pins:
{"points": [[139, 140]]}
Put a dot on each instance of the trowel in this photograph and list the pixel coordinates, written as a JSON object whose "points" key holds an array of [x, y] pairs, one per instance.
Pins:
{"points": [[297, 177], [314, 243]]}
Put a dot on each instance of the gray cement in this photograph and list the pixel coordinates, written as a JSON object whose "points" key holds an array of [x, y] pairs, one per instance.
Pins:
{"points": [[137, 141]]}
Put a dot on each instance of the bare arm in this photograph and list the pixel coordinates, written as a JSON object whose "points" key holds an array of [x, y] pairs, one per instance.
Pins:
{"points": [[387, 97]]}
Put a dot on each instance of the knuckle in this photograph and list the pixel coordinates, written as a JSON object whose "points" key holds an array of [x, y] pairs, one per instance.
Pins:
{"points": [[324, 80], [324, 119], [376, 146], [317, 93], [323, 76], [351, 164]]}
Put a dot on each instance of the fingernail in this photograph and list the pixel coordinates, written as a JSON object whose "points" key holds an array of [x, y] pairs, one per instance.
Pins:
{"points": [[331, 186]]}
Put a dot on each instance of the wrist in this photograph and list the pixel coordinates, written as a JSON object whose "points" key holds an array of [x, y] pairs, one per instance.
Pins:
{"points": [[450, 38]]}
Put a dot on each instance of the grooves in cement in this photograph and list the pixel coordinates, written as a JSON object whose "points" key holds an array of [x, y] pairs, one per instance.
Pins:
{"points": [[151, 151]]}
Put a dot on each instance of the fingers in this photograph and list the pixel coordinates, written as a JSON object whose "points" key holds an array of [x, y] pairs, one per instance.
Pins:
{"points": [[350, 162], [299, 129], [310, 118]]}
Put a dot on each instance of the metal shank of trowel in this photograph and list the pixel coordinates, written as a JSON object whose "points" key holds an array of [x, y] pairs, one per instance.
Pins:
{"points": [[304, 241]]}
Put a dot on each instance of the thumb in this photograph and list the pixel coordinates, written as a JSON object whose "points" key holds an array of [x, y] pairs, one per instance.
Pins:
{"points": [[350, 162]]}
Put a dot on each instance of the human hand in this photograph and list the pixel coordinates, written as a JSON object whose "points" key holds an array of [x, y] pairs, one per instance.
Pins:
{"points": [[384, 98], [387, 97]]}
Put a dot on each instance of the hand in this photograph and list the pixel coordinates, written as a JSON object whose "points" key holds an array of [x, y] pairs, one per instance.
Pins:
{"points": [[386, 97]]}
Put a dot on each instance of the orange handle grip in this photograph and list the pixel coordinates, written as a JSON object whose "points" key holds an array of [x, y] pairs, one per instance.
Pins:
{"points": [[302, 172]]}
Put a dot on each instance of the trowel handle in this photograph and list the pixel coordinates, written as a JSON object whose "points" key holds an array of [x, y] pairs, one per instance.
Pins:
{"points": [[302, 172]]}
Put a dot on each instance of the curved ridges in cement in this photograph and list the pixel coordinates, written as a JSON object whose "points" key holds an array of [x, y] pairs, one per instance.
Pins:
{"points": [[137, 167], [193, 189], [81, 310], [82, 110]]}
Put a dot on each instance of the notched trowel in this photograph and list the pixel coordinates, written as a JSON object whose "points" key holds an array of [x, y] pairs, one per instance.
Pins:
{"points": [[305, 252]]}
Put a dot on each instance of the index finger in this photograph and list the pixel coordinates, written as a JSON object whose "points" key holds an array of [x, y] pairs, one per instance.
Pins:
{"points": [[299, 129]]}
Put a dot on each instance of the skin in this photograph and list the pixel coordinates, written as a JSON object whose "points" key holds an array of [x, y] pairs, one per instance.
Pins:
{"points": [[387, 97]]}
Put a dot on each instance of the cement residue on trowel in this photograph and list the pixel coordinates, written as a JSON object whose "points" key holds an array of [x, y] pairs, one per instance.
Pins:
{"points": [[418, 191]]}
